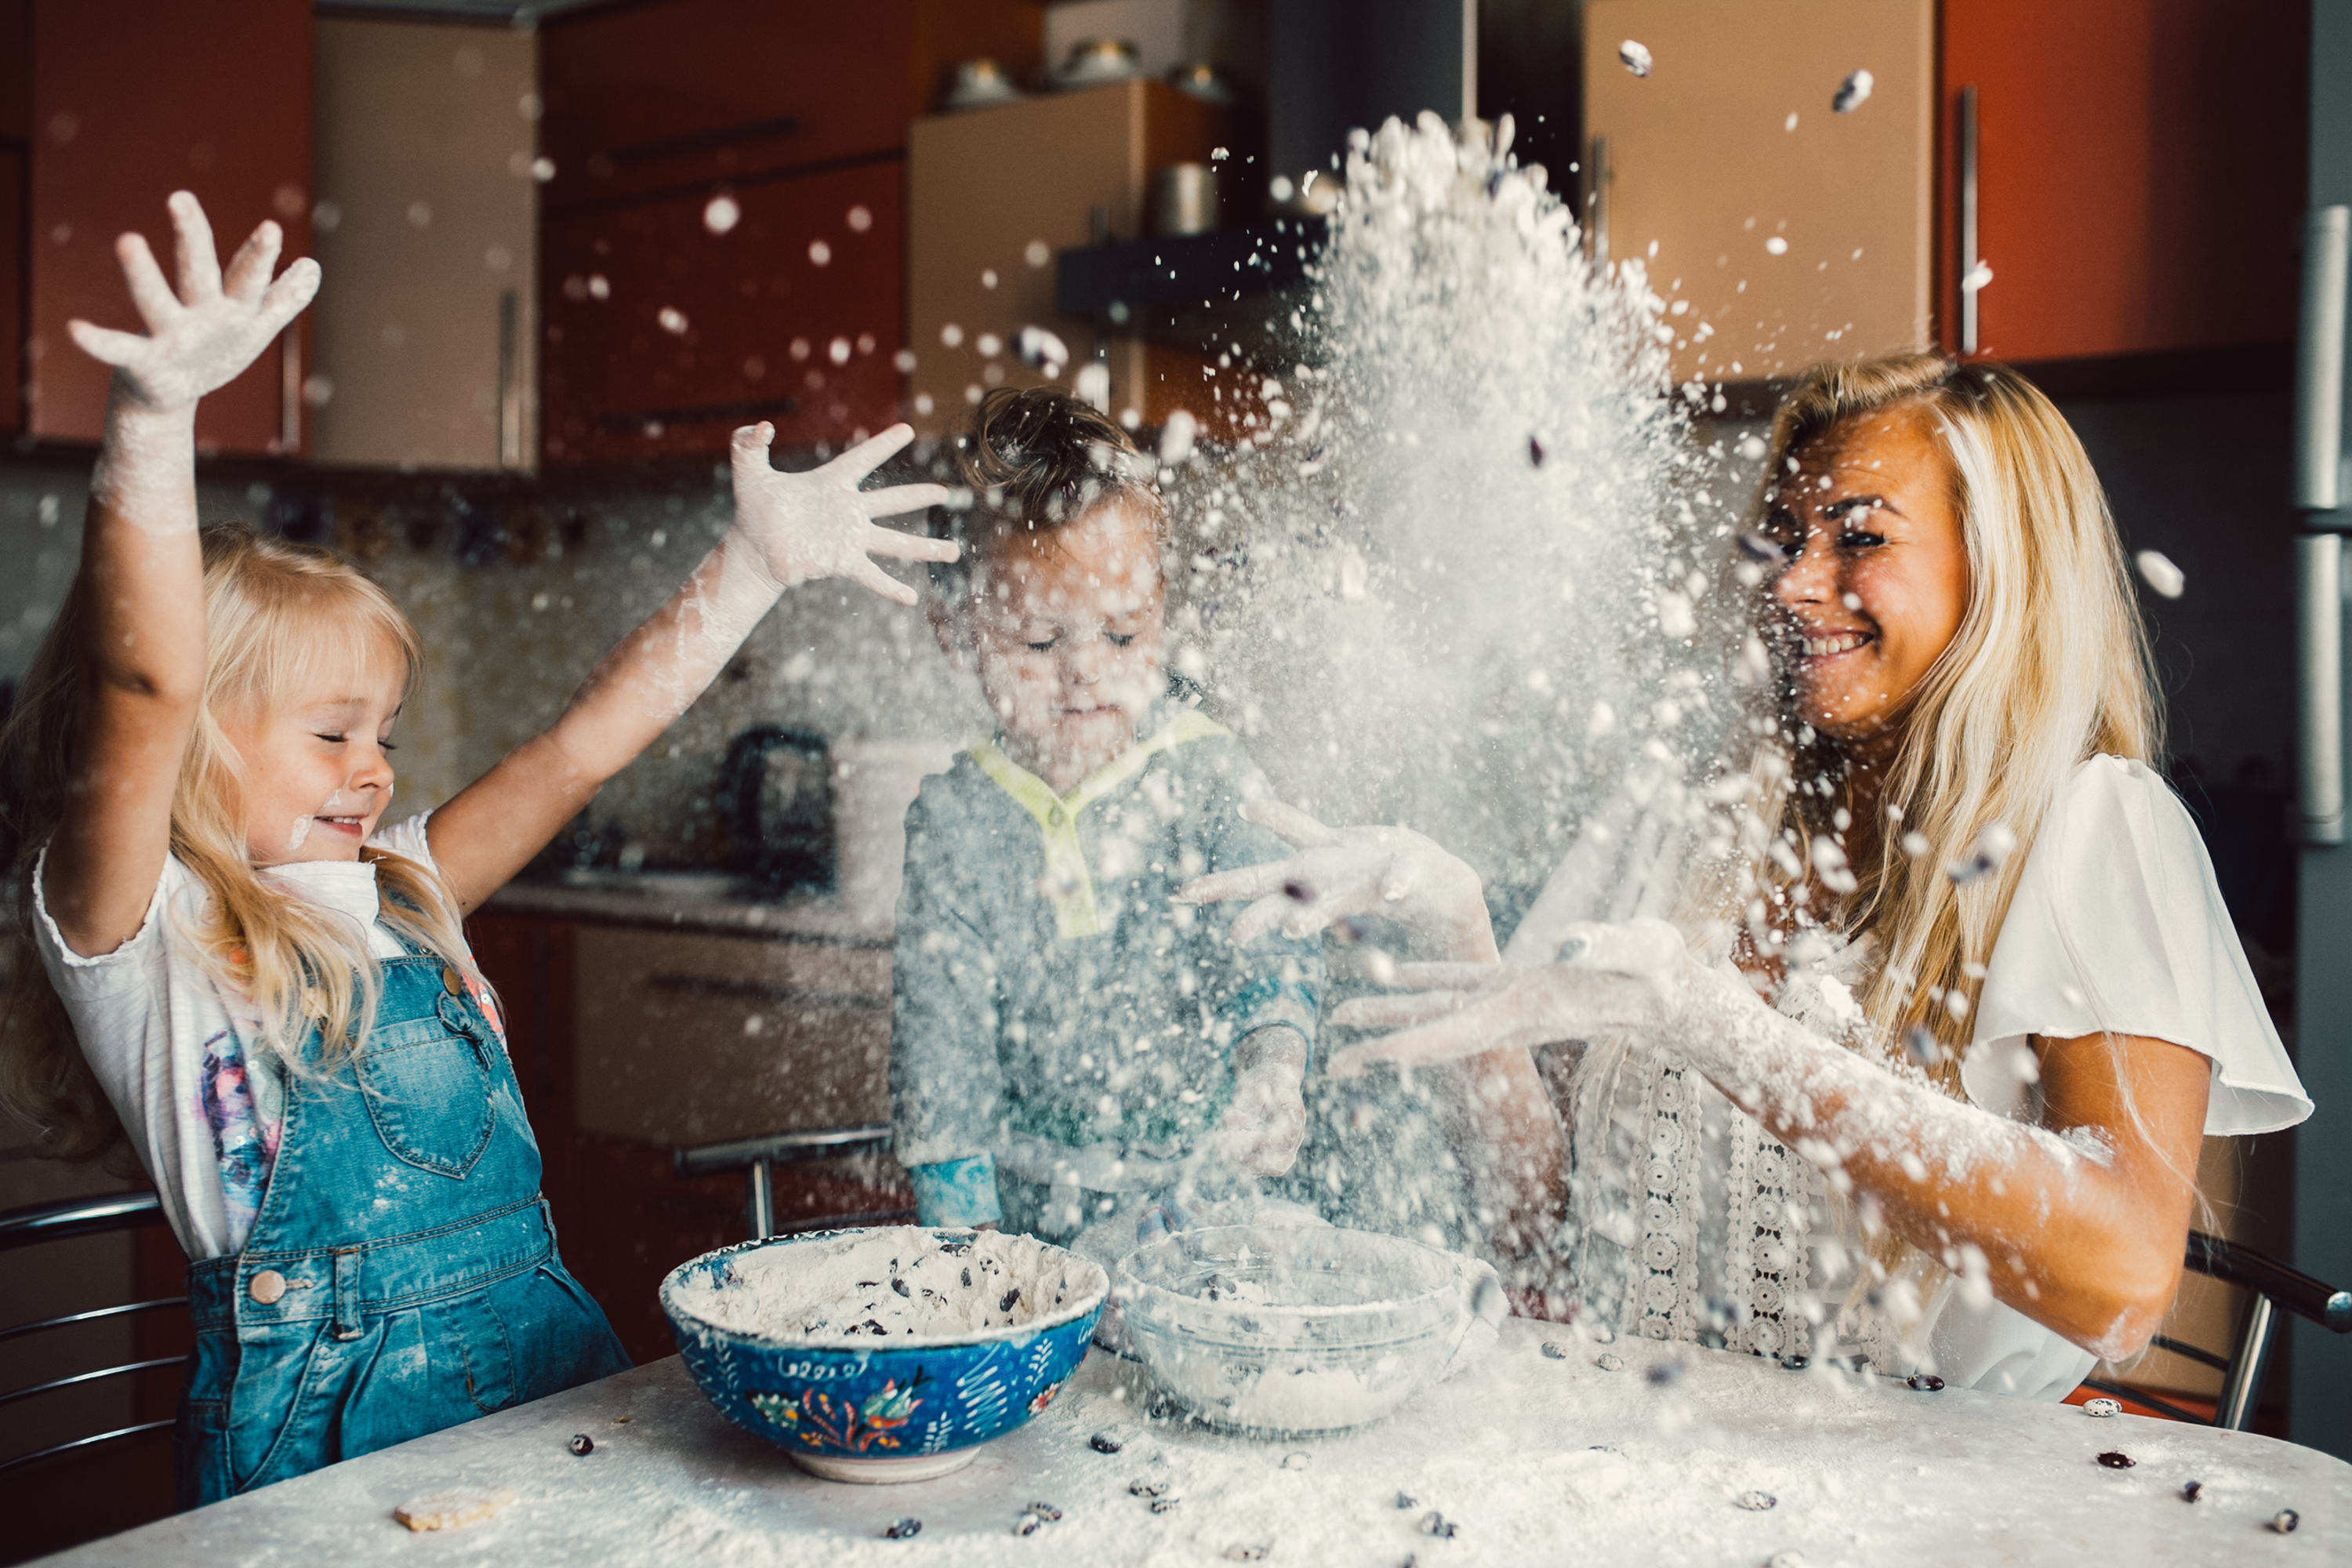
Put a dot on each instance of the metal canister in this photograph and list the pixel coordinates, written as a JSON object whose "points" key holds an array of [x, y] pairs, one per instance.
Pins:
{"points": [[1184, 199]]}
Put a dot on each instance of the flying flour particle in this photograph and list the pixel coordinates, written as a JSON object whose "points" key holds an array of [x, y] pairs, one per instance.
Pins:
{"points": [[2160, 574], [1852, 92], [1635, 56]]}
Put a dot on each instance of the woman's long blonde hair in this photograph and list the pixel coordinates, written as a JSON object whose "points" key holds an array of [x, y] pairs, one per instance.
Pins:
{"points": [[276, 616], [2051, 665]]}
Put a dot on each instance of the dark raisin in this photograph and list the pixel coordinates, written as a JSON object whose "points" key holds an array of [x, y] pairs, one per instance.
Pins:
{"points": [[1555, 1350], [1298, 892], [903, 1529], [1926, 1382], [1795, 1362], [1406, 1499], [1010, 1296], [1104, 1442], [2115, 1460], [1664, 1372], [901, 1286], [1535, 451], [1026, 1524], [2284, 1521], [1047, 1511], [967, 1279], [583, 1444], [1147, 1489], [2191, 1490], [1163, 1504]]}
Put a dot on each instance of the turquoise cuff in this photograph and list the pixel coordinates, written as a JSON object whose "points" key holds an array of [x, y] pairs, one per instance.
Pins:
{"points": [[957, 1192]]}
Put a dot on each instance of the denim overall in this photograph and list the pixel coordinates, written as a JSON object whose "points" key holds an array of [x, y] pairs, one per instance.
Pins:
{"points": [[401, 1276]]}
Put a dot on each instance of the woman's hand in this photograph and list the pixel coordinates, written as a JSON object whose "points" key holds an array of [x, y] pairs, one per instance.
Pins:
{"points": [[1344, 872], [818, 524], [202, 336], [1636, 977]]}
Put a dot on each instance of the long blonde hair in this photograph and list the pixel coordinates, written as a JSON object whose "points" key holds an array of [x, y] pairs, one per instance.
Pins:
{"points": [[2049, 665], [275, 616]]}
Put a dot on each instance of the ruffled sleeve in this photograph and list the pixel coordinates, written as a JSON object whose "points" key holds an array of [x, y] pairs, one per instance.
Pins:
{"points": [[2118, 925]]}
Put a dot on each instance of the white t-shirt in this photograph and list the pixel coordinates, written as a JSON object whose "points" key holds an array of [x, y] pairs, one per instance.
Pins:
{"points": [[199, 1090]]}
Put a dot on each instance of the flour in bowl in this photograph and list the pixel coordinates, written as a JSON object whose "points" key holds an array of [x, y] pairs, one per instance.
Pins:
{"points": [[896, 1283]]}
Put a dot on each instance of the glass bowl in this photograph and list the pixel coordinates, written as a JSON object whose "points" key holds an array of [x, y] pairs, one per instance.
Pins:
{"points": [[851, 1402], [1280, 1330]]}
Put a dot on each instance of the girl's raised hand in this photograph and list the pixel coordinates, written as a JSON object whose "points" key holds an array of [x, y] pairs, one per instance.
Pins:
{"points": [[1637, 976], [1338, 872], [200, 337], [818, 524]]}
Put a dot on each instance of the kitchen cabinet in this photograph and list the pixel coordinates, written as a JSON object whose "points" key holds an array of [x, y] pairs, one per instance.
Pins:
{"points": [[1780, 231], [668, 321], [2137, 176], [688, 93], [422, 333], [662, 336], [2141, 173], [993, 193], [15, 151], [131, 101]]}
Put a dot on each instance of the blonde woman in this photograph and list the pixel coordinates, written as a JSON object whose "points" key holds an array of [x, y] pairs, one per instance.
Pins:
{"points": [[1928, 1088], [262, 986]]}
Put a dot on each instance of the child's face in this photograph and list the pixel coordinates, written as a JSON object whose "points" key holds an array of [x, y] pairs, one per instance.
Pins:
{"points": [[1066, 631], [318, 767]]}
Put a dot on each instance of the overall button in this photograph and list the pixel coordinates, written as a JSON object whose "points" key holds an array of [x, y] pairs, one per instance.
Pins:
{"points": [[266, 1287], [449, 981]]}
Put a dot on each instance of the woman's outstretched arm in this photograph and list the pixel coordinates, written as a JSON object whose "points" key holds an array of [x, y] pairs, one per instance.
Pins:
{"points": [[2080, 1223], [139, 595]]}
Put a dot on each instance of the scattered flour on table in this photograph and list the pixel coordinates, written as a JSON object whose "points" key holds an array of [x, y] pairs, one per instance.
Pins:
{"points": [[894, 1284]]}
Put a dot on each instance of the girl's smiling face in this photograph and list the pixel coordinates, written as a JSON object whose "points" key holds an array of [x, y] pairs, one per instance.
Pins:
{"points": [[1877, 578], [1066, 631], [318, 765]]}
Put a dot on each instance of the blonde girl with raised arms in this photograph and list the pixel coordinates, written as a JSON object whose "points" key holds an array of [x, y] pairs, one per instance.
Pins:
{"points": [[260, 984], [1918, 1075]]}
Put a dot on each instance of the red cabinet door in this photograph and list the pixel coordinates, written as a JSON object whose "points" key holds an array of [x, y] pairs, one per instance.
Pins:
{"points": [[662, 336], [2141, 169], [130, 103]]}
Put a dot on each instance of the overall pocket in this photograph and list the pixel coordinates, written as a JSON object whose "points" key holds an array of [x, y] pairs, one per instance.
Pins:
{"points": [[428, 1093]]}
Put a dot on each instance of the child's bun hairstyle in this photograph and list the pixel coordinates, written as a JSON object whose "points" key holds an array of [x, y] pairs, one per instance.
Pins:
{"points": [[275, 615], [1034, 461]]}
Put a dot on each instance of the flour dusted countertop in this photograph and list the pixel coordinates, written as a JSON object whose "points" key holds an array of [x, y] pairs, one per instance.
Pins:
{"points": [[1532, 1459]]}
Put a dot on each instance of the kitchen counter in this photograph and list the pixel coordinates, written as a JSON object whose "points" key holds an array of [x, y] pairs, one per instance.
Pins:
{"points": [[709, 903], [1533, 1459]]}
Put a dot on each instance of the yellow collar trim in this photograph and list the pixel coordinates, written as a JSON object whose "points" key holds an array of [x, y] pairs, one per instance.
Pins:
{"points": [[1068, 882]]}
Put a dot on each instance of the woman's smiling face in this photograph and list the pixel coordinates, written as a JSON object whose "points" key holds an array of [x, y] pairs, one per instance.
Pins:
{"points": [[1877, 579]]}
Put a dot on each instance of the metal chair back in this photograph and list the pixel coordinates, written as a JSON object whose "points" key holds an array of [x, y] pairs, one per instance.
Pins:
{"points": [[2269, 1285], [41, 1223], [758, 1157]]}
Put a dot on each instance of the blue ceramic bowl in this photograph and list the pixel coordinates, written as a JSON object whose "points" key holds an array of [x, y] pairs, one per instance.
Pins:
{"points": [[853, 1401]]}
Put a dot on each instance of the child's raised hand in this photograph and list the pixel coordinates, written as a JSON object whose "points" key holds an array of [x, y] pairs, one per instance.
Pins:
{"points": [[818, 524], [201, 337]]}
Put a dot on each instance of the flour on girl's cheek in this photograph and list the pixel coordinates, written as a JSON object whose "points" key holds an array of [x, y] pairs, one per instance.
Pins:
{"points": [[302, 832]]}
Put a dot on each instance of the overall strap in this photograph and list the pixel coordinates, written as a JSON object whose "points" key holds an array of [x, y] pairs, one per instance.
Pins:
{"points": [[1056, 817]]}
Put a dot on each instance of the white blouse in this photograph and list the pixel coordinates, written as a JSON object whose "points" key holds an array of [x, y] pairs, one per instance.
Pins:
{"points": [[1694, 1222]]}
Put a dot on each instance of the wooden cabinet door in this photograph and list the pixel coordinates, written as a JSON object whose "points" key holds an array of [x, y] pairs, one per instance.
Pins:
{"points": [[2140, 172], [131, 101], [662, 336], [1793, 232], [650, 98]]}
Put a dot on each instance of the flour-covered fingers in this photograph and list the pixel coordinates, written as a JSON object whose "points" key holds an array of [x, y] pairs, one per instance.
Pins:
{"points": [[157, 305], [898, 499], [1289, 821], [1452, 976], [1268, 914], [1398, 1012], [1343, 889], [747, 452], [870, 454], [249, 270], [105, 345], [286, 299], [882, 582], [1470, 1031], [1243, 882], [199, 264]]}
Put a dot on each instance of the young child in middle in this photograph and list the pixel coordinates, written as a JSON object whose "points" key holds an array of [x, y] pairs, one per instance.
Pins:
{"points": [[1072, 1053]]}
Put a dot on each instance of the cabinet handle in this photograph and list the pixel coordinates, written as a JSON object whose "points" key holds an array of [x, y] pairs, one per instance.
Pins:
{"points": [[2319, 360], [1596, 204], [2319, 551], [2319, 647], [1969, 258], [289, 393], [510, 381]]}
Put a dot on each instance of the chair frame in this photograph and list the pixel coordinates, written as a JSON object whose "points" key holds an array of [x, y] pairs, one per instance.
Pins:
{"points": [[758, 1157], [42, 1223], [2269, 1285]]}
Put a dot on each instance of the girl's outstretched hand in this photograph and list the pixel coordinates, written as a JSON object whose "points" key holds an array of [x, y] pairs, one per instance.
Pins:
{"points": [[200, 337], [1339, 872], [818, 524], [1640, 977]]}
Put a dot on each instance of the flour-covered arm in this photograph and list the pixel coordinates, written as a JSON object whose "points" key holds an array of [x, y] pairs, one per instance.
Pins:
{"points": [[139, 595], [2080, 1221], [789, 528]]}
